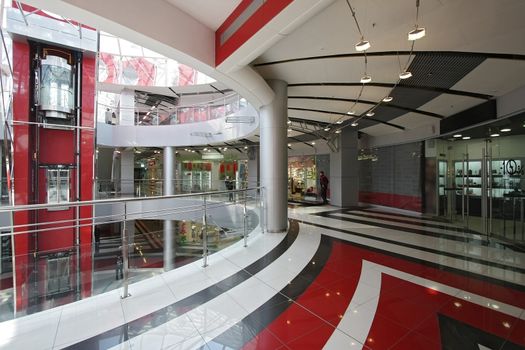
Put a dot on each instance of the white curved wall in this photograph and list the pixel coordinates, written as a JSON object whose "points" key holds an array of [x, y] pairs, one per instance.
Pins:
{"points": [[191, 134]]}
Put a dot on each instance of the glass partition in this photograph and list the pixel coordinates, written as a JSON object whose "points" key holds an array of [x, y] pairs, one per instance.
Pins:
{"points": [[122, 242]]}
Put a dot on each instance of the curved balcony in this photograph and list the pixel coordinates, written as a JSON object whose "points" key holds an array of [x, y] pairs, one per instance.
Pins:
{"points": [[216, 121]]}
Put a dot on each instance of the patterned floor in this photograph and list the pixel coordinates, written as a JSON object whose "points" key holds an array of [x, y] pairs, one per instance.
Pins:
{"points": [[338, 279]]}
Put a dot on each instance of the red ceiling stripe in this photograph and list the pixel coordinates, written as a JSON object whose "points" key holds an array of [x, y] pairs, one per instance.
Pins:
{"points": [[258, 20]]}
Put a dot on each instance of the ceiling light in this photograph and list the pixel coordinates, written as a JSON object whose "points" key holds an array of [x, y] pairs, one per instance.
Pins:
{"points": [[205, 149], [388, 99], [340, 121], [245, 147], [350, 112], [313, 143], [225, 149], [370, 114], [326, 129], [289, 145], [363, 45], [289, 122], [465, 138], [289, 130], [417, 33], [405, 75], [338, 131], [354, 124], [494, 135], [365, 79], [505, 130], [457, 135]]}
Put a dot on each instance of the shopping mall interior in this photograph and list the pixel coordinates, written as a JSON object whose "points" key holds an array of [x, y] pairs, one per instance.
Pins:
{"points": [[262, 174]]}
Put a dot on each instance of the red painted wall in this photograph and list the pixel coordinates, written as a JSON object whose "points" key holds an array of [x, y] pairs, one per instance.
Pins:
{"points": [[392, 200], [22, 168], [86, 166], [258, 20]]}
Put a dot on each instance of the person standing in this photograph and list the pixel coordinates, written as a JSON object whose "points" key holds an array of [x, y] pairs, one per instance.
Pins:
{"points": [[229, 186], [323, 181]]}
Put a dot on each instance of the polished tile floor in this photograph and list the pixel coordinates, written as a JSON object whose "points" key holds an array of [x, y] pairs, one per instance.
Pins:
{"points": [[339, 279]]}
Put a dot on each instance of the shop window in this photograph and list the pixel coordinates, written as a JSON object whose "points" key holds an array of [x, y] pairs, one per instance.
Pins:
{"points": [[58, 280], [5, 254], [57, 185]]}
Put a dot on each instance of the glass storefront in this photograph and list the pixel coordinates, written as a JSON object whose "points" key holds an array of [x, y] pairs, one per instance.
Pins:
{"points": [[480, 179], [303, 177]]}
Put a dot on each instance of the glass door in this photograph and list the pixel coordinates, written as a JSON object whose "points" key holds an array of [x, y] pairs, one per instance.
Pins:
{"points": [[506, 196]]}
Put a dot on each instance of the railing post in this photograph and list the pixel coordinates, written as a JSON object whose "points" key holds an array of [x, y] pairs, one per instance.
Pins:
{"points": [[125, 263], [262, 211], [204, 236], [245, 234]]}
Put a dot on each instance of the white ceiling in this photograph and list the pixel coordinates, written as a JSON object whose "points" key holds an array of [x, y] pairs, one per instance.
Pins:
{"points": [[211, 13]]}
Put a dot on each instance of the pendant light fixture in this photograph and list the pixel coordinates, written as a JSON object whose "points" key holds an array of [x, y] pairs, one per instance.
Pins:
{"points": [[405, 75], [365, 79], [418, 32], [362, 45]]}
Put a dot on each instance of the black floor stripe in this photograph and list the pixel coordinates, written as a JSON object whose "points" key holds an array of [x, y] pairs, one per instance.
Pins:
{"points": [[425, 249], [467, 238], [415, 223], [461, 272], [245, 330], [406, 229], [141, 325]]}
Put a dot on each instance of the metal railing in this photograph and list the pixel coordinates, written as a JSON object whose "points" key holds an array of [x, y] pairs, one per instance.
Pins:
{"points": [[120, 243], [107, 188]]}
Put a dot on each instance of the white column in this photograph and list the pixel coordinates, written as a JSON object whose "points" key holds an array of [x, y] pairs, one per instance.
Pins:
{"points": [[274, 157], [127, 107], [168, 174], [253, 167], [127, 167], [344, 179]]}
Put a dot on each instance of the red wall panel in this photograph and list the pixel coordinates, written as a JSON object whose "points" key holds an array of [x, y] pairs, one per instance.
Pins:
{"points": [[57, 146], [87, 151], [392, 200], [21, 167]]}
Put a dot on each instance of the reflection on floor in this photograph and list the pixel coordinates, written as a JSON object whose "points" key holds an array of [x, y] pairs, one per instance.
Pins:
{"points": [[339, 279]]}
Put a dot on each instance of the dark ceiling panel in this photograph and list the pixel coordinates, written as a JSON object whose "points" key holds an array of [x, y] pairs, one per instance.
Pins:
{"points": [[440, 69]]}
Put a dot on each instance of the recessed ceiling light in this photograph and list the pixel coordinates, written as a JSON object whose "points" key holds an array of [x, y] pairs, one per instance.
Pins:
{"points": [[363, 45], [326, 129], [245, 147], [505, 130], [338, 131], [494, 135], [417, 33], [388, 99], [354, 124], [289, 122], [313, 143], [465, 138], [370, 114], [457, 135], [289, 130], [365, 79], [405, 75], [350, 112], [340, 121], [289, 145]]}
